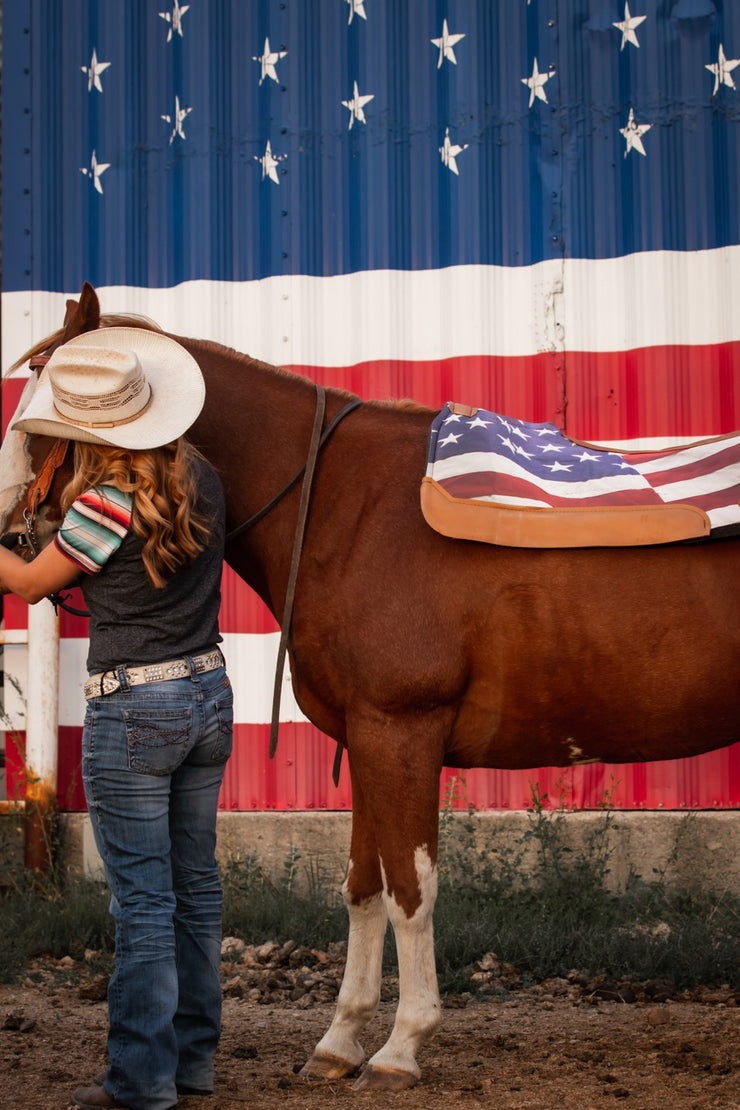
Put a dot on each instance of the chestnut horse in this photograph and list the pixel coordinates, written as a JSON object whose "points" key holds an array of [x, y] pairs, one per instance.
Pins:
{"points": [[415, 651]]}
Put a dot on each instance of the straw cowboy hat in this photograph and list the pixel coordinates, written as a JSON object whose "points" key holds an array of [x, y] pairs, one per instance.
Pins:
{"points": [[124, 386]]}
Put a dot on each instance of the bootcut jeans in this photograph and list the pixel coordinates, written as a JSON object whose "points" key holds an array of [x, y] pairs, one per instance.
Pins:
{"points": [[153, 758]]}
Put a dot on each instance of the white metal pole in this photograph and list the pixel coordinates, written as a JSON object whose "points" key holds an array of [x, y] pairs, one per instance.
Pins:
{"points": [[42, 724]]}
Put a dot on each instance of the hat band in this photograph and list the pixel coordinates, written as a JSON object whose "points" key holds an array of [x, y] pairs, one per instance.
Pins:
{"points": [[105, 423]]}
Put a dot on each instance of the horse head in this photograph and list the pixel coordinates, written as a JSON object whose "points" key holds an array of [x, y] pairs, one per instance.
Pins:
{"points": [[34, 469]]}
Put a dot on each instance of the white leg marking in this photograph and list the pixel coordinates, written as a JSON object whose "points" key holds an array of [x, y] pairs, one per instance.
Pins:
{"points": [[360, 991], [419, 1010]]}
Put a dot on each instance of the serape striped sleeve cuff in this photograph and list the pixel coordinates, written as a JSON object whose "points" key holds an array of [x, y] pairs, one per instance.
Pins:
{"points": [[95, 526]]}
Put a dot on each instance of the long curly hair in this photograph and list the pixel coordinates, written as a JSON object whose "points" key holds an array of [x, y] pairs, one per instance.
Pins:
{"points": [[163, 483]]}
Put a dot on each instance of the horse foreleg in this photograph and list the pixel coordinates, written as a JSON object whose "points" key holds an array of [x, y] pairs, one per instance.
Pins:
{"points": [[339, 1052]]}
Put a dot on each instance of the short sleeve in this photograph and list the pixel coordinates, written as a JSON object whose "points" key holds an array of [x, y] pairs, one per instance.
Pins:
{"points": [[94, 527]]}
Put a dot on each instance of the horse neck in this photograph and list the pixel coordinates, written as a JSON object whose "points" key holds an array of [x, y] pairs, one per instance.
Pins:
{"points": [[255, 429]]}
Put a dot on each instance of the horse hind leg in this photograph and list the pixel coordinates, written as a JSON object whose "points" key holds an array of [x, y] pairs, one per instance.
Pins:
{"points": [[394, 1066], [339, 1052]]}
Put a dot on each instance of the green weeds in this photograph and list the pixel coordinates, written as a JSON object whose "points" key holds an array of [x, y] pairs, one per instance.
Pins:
{"points": [[539, 901]]}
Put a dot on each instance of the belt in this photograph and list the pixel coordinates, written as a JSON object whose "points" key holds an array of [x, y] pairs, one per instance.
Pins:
{"points": [[107, 682]]}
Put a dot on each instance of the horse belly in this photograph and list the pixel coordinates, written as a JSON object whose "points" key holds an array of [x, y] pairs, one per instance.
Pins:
{"points": [[571, 672]]}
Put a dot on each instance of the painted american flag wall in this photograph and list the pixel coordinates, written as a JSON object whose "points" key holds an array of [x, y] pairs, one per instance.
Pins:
{"points": [[528, 205]]}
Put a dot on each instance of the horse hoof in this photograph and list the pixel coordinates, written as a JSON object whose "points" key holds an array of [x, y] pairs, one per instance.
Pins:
{"points": [[327, 1067], [384, 1079]]}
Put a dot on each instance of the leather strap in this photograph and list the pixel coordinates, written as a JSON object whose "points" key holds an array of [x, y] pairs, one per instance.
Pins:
{"points": [[300, 529], [39, 490]]}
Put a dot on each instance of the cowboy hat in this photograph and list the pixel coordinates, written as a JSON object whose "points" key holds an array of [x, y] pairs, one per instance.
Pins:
{"points": [[128, 387]]}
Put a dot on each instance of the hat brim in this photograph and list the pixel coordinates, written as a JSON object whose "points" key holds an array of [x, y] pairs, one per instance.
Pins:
{"points": [[177, 394]]}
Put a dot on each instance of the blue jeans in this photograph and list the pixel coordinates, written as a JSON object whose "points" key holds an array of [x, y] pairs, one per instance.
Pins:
{"points": [[153, 757]]}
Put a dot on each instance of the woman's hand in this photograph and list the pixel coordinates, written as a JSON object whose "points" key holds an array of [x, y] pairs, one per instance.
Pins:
{"points": [[46, 574]]}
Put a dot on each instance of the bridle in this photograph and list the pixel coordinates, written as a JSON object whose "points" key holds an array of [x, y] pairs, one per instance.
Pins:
{"points": [[38, 491]]}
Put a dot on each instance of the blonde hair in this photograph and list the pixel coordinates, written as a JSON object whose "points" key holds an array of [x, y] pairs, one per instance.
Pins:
{"points": [[163, 483]]}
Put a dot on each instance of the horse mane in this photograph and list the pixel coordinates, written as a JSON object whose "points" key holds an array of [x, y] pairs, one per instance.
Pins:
{"points": [[109, 320], [404, 404]]}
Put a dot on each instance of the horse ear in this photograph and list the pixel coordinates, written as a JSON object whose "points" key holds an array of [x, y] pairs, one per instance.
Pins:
{"points": [[82, 315]]}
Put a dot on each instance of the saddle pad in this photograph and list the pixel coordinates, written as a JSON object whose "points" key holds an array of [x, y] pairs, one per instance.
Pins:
{"points": [[500, 480]]}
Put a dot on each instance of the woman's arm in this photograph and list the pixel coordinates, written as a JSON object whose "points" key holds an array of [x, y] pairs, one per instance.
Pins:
{"points": [[47, 573]]}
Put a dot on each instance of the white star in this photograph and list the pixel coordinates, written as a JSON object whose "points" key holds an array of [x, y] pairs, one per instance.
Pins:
{"points": [[536, 82], [520, 451], [585, 457], [95, 171], [627, 27], [355, 106], [356, 7], [453, 418], [722, 70], [550, 447], [449, 152], [506, 442], [174, 18], [270, 163], [478, 423], [518, 432], [451, 438], [267, 61], [633, 133], [552, 467], [547, 432], [93, 72], [445, 44], [178, 119]]}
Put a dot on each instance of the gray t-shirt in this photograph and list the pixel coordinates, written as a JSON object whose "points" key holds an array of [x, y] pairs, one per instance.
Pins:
{"points": [[132, 622]]}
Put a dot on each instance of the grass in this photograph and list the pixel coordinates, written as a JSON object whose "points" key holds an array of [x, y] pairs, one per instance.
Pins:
{"points": [[556, 915]]}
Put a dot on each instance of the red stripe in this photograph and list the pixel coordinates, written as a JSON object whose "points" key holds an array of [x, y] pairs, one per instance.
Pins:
{"points": [[299, 777], [106, 507], [699, 462], [506, 485]]}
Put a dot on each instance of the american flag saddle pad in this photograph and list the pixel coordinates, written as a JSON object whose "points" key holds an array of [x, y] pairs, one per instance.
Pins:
{"points": [[504, 481]]}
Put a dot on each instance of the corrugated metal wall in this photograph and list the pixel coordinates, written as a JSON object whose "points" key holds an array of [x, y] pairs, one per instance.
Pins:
{"points": [[528, 205]]}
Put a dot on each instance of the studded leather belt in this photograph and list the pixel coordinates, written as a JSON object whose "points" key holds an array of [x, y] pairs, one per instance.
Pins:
{"points": [[107, 682]]}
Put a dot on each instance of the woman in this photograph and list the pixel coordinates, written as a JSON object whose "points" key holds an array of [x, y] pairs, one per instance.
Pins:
{"points": [[144, 526]]}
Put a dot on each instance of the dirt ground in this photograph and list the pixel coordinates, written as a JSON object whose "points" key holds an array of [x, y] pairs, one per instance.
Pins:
{"points": [[570, 1043]]}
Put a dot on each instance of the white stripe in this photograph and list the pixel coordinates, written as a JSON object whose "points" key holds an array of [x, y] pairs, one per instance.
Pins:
{"points": [[725, 479], [720, 517], [687, 458], [475, 462], [650, 299], [250, 658]]}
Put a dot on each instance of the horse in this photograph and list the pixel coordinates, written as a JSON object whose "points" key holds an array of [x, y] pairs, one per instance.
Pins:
{"points": [[416, 651]]}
